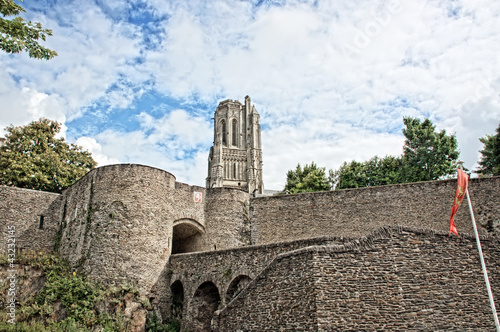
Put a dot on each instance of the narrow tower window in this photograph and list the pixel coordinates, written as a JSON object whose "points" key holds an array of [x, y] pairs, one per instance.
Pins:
{"points": [[235, 133], [40, 222], [223, 126]]}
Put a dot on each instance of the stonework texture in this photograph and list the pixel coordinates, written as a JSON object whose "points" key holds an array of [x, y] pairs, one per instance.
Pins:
{"points": [[228, 270], [218, 258], [356, 212], [117, 223], [35, 214], [395, 279]]}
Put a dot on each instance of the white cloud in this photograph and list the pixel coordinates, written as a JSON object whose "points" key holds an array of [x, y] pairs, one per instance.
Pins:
{"points": [[176, 142], [135, 147], [21, 106], [93, 54], [178, 125], [332, 80], [90, 144], [328, 144]]}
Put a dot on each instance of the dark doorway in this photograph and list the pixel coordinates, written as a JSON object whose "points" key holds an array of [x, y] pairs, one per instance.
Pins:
{"points": [[236, 286], [177, 292], [186, 236], [205, 301]]}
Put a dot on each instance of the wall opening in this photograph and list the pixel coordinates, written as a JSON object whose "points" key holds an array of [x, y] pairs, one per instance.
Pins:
{"points": [[187, 236], [235, 133], [40, 222], [223, 130], [236, 286], [205, 301], [177, 291]]}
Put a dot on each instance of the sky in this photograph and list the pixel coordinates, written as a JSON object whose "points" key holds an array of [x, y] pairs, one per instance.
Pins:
{"points": [[139, 81]]}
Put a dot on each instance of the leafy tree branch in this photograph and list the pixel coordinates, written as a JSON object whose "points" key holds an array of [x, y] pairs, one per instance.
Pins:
{"points": [[17, 35]]}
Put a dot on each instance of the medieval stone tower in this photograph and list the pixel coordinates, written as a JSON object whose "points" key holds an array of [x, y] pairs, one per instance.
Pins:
{"points": [[235, 159]]}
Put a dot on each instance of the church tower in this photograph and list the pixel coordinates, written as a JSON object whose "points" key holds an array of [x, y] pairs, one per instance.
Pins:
{"points": [[235, 159]]}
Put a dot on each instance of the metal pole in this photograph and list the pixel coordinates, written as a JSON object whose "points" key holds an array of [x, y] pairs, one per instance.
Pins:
{"points": [[485, 273]]}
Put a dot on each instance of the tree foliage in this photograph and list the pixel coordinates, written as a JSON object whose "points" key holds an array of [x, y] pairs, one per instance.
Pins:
{"points": [[427, 155], [16, 35], [374, 172], [490, 154], [307, 179], [33, 158]]}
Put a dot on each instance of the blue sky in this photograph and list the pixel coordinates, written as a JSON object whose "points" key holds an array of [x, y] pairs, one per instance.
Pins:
{"points": [[138, 81]]}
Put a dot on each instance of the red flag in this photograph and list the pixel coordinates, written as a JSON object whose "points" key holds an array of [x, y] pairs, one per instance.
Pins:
{"points": [[462, 184]]}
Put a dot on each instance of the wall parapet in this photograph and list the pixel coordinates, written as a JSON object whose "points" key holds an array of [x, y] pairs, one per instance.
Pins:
{"points": [[375, 269], [355, 212], [35, 215]]}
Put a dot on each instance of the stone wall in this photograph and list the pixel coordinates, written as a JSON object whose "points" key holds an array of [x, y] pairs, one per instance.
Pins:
{"points": [[228, 225], [35, 215], [281, 298], [120, 222], [229, 270], [355, 212], [394, 279]]}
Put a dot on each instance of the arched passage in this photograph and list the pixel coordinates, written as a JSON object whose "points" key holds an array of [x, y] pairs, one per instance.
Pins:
{"points": [[236, 286], [177, 300], [186, 236], [206, 300]]}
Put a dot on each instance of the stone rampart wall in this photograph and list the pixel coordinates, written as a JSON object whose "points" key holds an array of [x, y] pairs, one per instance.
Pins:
{"points": [[118, 222], [397, 279], [35, 215], [228, 225], [281, 298], [221, 267], [355, 212]]}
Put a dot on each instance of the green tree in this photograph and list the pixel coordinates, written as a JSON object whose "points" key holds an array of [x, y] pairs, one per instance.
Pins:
{"points": [[490, 154], [16, 35], [427, 154], [307, 179], [32, 157], [374, 172]]}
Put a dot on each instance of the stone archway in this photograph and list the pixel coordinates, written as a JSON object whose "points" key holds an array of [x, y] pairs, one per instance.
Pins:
{"points": [[177, 300], [205, 301], [187, 236], [236, 286]]}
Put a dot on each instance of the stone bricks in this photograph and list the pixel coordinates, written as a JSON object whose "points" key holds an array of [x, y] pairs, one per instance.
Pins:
{"points": [[35, 215], [355, 212], [318, 261], [396, 279]]}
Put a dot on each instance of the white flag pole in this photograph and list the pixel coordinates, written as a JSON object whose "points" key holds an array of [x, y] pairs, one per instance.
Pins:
{"points": [[483, 265]]}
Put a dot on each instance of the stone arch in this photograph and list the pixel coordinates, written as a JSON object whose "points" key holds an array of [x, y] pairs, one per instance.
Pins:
{"points": [[187, 236], [205, 301], [177, 299], [236, 286]]}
